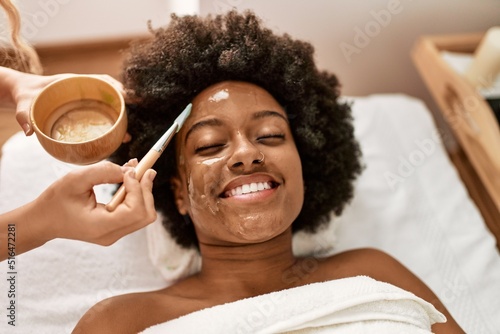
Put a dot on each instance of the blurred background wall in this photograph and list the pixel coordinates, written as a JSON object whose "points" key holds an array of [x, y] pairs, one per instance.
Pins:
{"points": [[366, 43]]}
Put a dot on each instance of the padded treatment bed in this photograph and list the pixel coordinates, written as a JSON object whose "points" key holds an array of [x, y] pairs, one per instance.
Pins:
{"points": [[409, 202]]}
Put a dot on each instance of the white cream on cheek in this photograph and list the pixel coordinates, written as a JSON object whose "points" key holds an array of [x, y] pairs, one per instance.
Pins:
{"points": [[190, 187], [209, 189], [205, 196], [209, 162]]}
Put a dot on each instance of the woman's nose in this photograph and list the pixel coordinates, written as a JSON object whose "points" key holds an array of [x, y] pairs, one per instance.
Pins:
{"points": [[245, 156]]}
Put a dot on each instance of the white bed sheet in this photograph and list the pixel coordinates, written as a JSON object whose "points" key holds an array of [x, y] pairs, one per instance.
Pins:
{"points": [[425, 219]]}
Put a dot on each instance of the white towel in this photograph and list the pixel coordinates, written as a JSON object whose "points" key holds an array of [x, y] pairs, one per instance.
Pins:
{"points": [[350, 305]]}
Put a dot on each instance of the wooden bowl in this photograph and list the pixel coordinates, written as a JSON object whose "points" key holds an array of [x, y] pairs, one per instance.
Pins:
{"points": [[80, 119]]}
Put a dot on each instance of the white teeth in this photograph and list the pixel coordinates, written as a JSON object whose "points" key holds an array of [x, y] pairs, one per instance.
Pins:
{"points": [[248, 188]]}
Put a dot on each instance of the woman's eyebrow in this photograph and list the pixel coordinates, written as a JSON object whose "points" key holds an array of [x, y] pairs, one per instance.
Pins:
{"points": [[201, 124], [269, 113]]}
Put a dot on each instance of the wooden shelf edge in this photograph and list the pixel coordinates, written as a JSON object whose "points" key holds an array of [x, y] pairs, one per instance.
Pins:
{"points": [[477, 165]]}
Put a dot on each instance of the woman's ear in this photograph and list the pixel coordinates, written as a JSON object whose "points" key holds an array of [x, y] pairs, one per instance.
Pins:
{"points": [[179, 195]]}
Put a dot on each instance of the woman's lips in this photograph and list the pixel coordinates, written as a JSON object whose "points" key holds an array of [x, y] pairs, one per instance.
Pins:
{"points": [[249, 188], [249, 185]]}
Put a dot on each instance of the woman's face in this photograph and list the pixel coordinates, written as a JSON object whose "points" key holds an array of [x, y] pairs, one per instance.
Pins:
{"points": [[240, 176]]}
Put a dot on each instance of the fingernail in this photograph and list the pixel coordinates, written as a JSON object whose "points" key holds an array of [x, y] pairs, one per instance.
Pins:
{"points": [[131, 173], [152, 175], [130, 162], [26, 128]]}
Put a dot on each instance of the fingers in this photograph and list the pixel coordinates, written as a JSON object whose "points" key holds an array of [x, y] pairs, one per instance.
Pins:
{"points": [[147, 192], [84, 179], [139, 194], [132, 190], [136, 211], [98, 225], [25, 91], [131, 163], [22, 117], [103, 172]]}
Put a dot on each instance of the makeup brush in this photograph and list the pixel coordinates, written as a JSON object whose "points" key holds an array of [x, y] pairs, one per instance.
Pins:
{"points": [[150, 158]]}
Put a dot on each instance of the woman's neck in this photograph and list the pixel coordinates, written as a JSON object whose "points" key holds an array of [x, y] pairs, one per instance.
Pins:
{"points": [[250, 269]]}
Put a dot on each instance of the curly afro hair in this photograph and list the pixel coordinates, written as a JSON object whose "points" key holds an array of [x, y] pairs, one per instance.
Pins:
{"points": [[168, 70]]}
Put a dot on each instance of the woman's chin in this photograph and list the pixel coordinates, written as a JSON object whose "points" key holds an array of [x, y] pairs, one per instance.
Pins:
{"points": [[258, 233]]}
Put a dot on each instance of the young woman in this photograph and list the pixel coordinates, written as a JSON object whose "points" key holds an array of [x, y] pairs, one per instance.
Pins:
{"points": [[267, 150]]}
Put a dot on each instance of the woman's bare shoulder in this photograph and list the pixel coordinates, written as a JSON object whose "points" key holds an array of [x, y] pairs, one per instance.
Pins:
{"points": [[374, 263], [362, 261], [128, 313]]}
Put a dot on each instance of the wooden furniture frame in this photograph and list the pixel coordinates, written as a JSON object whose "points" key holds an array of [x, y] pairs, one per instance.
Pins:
{"points": [[470, 118]]}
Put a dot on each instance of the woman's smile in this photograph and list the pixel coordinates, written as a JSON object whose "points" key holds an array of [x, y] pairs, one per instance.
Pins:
{"points": [[253, 188]]}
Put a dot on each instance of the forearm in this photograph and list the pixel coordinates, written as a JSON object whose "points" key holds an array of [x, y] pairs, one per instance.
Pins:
{"points": [[7, 84], [20, 231], [68, 209]]}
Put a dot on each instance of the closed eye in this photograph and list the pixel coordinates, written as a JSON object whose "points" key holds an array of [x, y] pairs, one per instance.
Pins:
{"points": [[273, 138], [209, 149]]}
